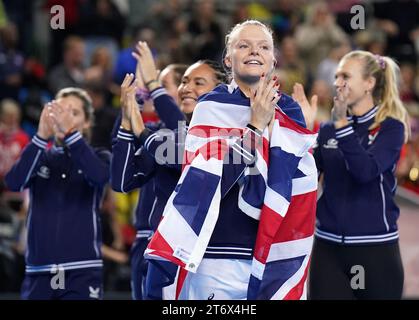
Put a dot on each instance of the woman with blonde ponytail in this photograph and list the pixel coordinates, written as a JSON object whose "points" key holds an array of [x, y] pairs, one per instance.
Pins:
{"points": [[356, 252]]}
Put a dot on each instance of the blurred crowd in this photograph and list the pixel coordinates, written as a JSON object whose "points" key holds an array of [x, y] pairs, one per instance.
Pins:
{"points": [[94, 49]]}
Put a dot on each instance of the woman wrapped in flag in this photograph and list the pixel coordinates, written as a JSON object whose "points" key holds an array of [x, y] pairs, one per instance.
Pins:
{"points": [[240, 222]]}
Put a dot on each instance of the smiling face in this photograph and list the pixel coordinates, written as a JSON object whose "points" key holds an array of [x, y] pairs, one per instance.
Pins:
{"points": [[198, 79], [250, 53]]}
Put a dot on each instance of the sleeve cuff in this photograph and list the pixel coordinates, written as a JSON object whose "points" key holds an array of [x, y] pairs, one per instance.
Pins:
{"points": [[39, 142], [144, 137], [125, 135], [344, 131], [72, 138], [157, 93]]}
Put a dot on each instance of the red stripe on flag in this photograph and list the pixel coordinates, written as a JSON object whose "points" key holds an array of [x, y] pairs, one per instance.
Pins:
{"points": [[269, 223], [287, 122], [213, 149], [296, 292], [300, 219]]}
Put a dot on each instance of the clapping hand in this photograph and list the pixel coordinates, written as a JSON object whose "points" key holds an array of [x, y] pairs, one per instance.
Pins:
{"points": [[340, 107], [263, 102], [61, 118], [309, 108]]}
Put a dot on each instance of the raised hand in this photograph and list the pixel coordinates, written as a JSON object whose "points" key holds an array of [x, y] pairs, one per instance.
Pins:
{"points": [[128, 87], [309, 108], [137, 123], [62, 119], [263, 102], [146, 67], [45, 127], [340, 106]]}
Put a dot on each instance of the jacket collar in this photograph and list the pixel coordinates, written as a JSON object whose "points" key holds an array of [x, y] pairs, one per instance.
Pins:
{"points": [[369, 115]]}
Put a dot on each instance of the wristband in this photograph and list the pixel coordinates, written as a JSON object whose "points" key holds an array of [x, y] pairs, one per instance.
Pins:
{"points": [[150, 82], [258, 131]]}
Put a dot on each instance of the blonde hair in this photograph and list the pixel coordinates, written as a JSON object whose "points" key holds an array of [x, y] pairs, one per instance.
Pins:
{"points": [[385, 92], [239, 26]]}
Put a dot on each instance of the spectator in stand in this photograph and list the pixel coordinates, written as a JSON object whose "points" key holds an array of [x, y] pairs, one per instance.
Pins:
{"points": [[327, 67], [408, 93], [11, 63], [12, 138], [290, 66], [125, 62], [100, 72], [206, 32], [286, 17], [101, 25], [71, 72], [104, 116], [318, 35], [399, 19]]}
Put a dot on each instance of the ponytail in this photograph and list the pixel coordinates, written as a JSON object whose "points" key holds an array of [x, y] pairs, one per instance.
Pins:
{"points": [[391, 105]]}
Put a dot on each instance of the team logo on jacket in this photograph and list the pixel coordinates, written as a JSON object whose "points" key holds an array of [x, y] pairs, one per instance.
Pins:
{"points": [[372, 135], [43, 172], [331, 144], [94, 292]]}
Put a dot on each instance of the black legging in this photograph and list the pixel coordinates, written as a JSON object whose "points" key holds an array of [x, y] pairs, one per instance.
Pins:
{"points": [[330, 271]]}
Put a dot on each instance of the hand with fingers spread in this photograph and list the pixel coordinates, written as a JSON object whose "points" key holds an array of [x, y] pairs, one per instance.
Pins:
{"points": [[62, 119], [309, 108], [45, 127], [263, 101], [128, 88], [146, 68], [340, 107]]}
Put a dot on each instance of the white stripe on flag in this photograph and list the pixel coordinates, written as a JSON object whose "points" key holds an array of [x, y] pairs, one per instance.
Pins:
{"points": [[290, 249], [276, 202], [291, 141]]}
